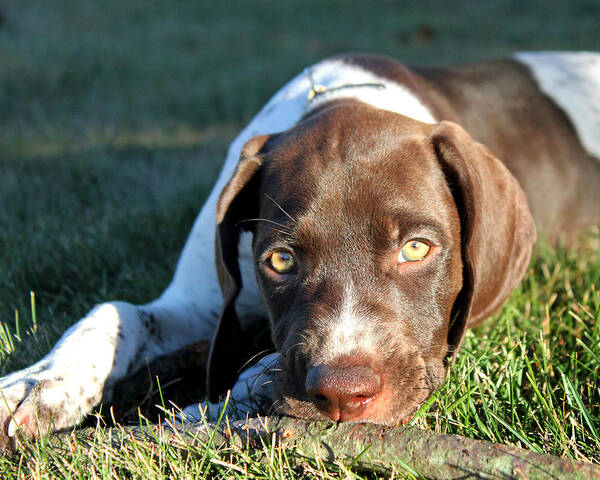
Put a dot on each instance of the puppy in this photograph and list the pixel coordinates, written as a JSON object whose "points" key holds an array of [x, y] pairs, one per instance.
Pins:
{"points": [[372, 213]]}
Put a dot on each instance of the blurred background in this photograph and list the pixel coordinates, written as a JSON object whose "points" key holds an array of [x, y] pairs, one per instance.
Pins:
{"points": [[115, 116]]}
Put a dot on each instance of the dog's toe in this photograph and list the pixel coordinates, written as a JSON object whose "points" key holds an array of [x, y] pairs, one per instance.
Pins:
{"points": [[26, 415], [30, 408]]}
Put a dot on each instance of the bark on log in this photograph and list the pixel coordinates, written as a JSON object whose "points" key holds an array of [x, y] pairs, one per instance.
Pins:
{"points": [[366, 447]]}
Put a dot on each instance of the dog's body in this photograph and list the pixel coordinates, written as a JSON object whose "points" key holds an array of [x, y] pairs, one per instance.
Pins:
{"points": [[370, 170]]}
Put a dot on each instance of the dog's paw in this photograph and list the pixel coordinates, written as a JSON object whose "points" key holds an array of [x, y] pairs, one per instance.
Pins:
{"points": [[252, 394], [34, 405]]}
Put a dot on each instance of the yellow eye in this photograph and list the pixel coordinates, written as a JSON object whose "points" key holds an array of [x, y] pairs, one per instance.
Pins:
{"points": [[282, 261], [413, 251]]}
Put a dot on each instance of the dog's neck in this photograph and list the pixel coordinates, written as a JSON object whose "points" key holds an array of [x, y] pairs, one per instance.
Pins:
{"points": [[332, 80]]}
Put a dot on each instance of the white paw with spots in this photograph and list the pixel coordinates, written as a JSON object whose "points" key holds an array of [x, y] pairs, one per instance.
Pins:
{"points": [[35, 401]]}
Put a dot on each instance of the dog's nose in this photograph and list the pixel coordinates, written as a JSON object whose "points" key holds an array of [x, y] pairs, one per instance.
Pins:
{"points": [[342, 393]]}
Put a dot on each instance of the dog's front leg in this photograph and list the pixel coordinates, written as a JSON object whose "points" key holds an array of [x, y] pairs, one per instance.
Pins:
{"points": [[112, 342]]}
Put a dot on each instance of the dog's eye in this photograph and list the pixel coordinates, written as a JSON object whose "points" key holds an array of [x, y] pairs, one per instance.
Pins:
{"points": [[282, 261], [413, 251]]}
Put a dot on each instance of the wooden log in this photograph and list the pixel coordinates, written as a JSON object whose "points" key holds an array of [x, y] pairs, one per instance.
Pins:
{"points": [[364, 447]]}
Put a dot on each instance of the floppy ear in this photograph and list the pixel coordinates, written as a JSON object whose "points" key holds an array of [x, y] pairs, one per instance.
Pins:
{"points": [[497, 230], [238, 201]]}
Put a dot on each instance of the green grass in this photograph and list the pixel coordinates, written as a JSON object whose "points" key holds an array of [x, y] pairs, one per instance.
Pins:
{"points": [[532, 377], [114, 118]]}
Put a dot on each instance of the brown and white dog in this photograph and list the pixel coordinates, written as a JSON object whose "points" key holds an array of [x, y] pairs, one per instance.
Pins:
{"points": [[373, 213]]}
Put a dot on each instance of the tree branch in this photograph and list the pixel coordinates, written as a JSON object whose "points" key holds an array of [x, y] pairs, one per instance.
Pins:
{"points": [[364, 447]]}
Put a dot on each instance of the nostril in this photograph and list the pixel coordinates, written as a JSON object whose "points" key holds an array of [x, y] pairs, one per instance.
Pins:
{"points": [[319, 397]]}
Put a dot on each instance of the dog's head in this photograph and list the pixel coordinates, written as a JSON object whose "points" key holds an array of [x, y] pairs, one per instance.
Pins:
{"points": [[377, 240]]}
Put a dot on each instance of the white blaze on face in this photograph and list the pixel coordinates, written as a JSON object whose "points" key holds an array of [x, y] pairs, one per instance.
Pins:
{"points": [[572, 81], [349, 331]]}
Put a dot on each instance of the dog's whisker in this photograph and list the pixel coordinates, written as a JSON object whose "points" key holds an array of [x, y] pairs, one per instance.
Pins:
{"points": [[280, 207], [297, 344], [274, 406], [255, 356], [285, 229]]}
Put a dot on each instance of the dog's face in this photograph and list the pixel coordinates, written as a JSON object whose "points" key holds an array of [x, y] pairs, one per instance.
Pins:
{"points": [[360, 268], [359, 246]]}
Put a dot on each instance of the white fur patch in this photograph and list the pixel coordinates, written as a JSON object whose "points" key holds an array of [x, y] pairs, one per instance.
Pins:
{"points": [[572, 80], [393, 97], [349, 331]]}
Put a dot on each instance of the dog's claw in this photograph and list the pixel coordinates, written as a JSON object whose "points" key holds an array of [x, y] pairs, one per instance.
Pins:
{"points": [[12, 428], [24, 422], [19, 421]]}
